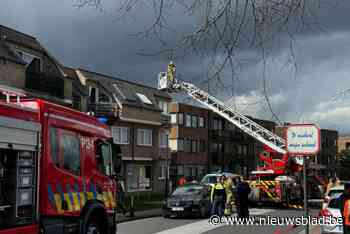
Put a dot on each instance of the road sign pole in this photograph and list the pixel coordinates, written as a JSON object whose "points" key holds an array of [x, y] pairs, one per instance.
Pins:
{"points": [[306, 207]]}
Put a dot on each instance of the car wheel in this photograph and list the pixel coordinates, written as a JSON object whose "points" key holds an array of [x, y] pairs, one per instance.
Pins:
{"points": [[165, 215], [202, 212]]}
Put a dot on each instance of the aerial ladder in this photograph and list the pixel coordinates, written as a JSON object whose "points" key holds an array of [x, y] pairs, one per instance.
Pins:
{"points": [[273, 144]]}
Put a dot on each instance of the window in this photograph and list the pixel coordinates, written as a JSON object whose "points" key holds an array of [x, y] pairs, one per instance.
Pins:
{"points": [[163, 106], [201, 122], [201, 146], [187, 146], [143, 98], [194, 121], [65, 150], [239, 149], [194, 146], [29, 58], [188, 120], [180, 145], [173, 119], [104, 159], [181, 118], [144, 137], [139, 177], [120, 135], [218, 124], [92, 95], [163, 139], [244, 149], [103, 98]]}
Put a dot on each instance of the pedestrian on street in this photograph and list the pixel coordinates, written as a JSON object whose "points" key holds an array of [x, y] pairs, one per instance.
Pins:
{"points": [[182, 181], [228, 184], [218, 197], [121, 196], [243, 190], [344, 205]]}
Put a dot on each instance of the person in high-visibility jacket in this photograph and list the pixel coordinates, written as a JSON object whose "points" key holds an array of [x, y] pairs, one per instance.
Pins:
{"points": [[218, 197], [344, 203], [228, 184]]}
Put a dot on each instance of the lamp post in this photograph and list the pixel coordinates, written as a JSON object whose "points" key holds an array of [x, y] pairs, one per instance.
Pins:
{"points": [[167, 167]]}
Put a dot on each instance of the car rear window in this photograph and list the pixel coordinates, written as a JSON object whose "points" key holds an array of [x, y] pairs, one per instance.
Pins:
{"points": [[335, 192], [334, 203]]}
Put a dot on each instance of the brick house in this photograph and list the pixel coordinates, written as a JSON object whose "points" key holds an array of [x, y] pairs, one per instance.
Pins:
{"points": [[139, 122], [188, 141], [343, 143], [27, 65]]}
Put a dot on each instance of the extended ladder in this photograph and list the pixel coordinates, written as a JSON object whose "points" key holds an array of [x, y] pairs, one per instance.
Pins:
{"points": [[248, 126]]}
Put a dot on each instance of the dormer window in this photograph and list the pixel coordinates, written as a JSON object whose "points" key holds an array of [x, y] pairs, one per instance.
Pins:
{"points": [[29, 58], [143, 98]]}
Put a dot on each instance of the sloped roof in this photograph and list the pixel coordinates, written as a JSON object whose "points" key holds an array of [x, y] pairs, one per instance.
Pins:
{"points": [[11, 35], [8, 54], [126, 91], [17, 37]]}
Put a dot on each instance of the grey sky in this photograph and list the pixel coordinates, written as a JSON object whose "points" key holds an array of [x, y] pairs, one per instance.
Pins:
{"points": [[92, 39]]}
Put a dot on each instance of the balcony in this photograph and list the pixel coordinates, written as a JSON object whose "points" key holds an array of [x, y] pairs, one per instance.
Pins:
{"points": [[39, 81], [102, 109]]}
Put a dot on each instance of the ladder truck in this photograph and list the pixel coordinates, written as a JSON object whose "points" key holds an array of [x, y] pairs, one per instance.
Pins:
{"points": [[269, 183]]}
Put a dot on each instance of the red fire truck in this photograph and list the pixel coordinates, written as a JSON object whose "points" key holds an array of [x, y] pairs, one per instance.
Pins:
{"points": [[56, 169]]}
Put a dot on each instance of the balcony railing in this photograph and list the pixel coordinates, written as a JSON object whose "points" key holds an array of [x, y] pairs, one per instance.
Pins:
{"points": [[165, 119], [101, 109]]}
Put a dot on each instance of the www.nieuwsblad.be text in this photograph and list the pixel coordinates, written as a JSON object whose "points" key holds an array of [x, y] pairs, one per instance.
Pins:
{"points": [[275, 221]]}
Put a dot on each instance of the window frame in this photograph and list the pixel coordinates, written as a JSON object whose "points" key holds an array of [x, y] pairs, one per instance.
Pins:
{"points": [[121, 128], [201, 122], [188, 122], [144, 131]]}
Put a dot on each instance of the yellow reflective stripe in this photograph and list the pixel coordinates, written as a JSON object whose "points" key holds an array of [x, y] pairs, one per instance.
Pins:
{"points": [[82, 199], [111, 199], [58, 203], [106, 199], [99, 196], [90, 196], [76, 201], [69, 204]]}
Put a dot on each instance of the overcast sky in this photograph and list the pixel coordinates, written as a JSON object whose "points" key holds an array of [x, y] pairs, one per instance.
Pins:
{"points": [[95, 40]]}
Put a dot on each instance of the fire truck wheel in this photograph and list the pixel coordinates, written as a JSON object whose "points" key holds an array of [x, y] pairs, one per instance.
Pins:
{"points": [[94, 221]]}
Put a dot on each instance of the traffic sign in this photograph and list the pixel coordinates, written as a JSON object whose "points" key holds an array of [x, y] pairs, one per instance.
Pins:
{"points": [[303, 139]]}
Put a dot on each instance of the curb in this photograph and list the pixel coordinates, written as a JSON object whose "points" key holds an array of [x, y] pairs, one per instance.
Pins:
{"points": [[128, 218]]}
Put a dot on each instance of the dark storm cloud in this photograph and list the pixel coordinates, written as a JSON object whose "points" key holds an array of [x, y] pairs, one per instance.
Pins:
{"points": [[92, 39]]}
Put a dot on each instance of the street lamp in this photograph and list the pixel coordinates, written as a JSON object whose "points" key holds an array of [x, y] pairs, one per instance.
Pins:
{"points": [[167, 167]]}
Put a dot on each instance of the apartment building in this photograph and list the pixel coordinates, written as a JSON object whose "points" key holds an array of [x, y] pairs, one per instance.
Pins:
{"points": [[231, 149], [188, 141], [138, 116]]}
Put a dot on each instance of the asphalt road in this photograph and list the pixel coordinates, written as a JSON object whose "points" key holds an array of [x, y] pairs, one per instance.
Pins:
{"points": [[160, 225]]}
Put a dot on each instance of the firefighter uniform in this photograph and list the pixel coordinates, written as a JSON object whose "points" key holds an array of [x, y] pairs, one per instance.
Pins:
{"points": [[344, 203], [218, 199], [228, 184]]}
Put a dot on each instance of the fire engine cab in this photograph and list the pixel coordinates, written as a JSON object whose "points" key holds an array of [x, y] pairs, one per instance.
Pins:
{"points": [[57, 168]]}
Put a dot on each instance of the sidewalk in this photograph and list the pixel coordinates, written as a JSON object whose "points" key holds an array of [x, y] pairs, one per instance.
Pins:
{"points": [[139, 215]]}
